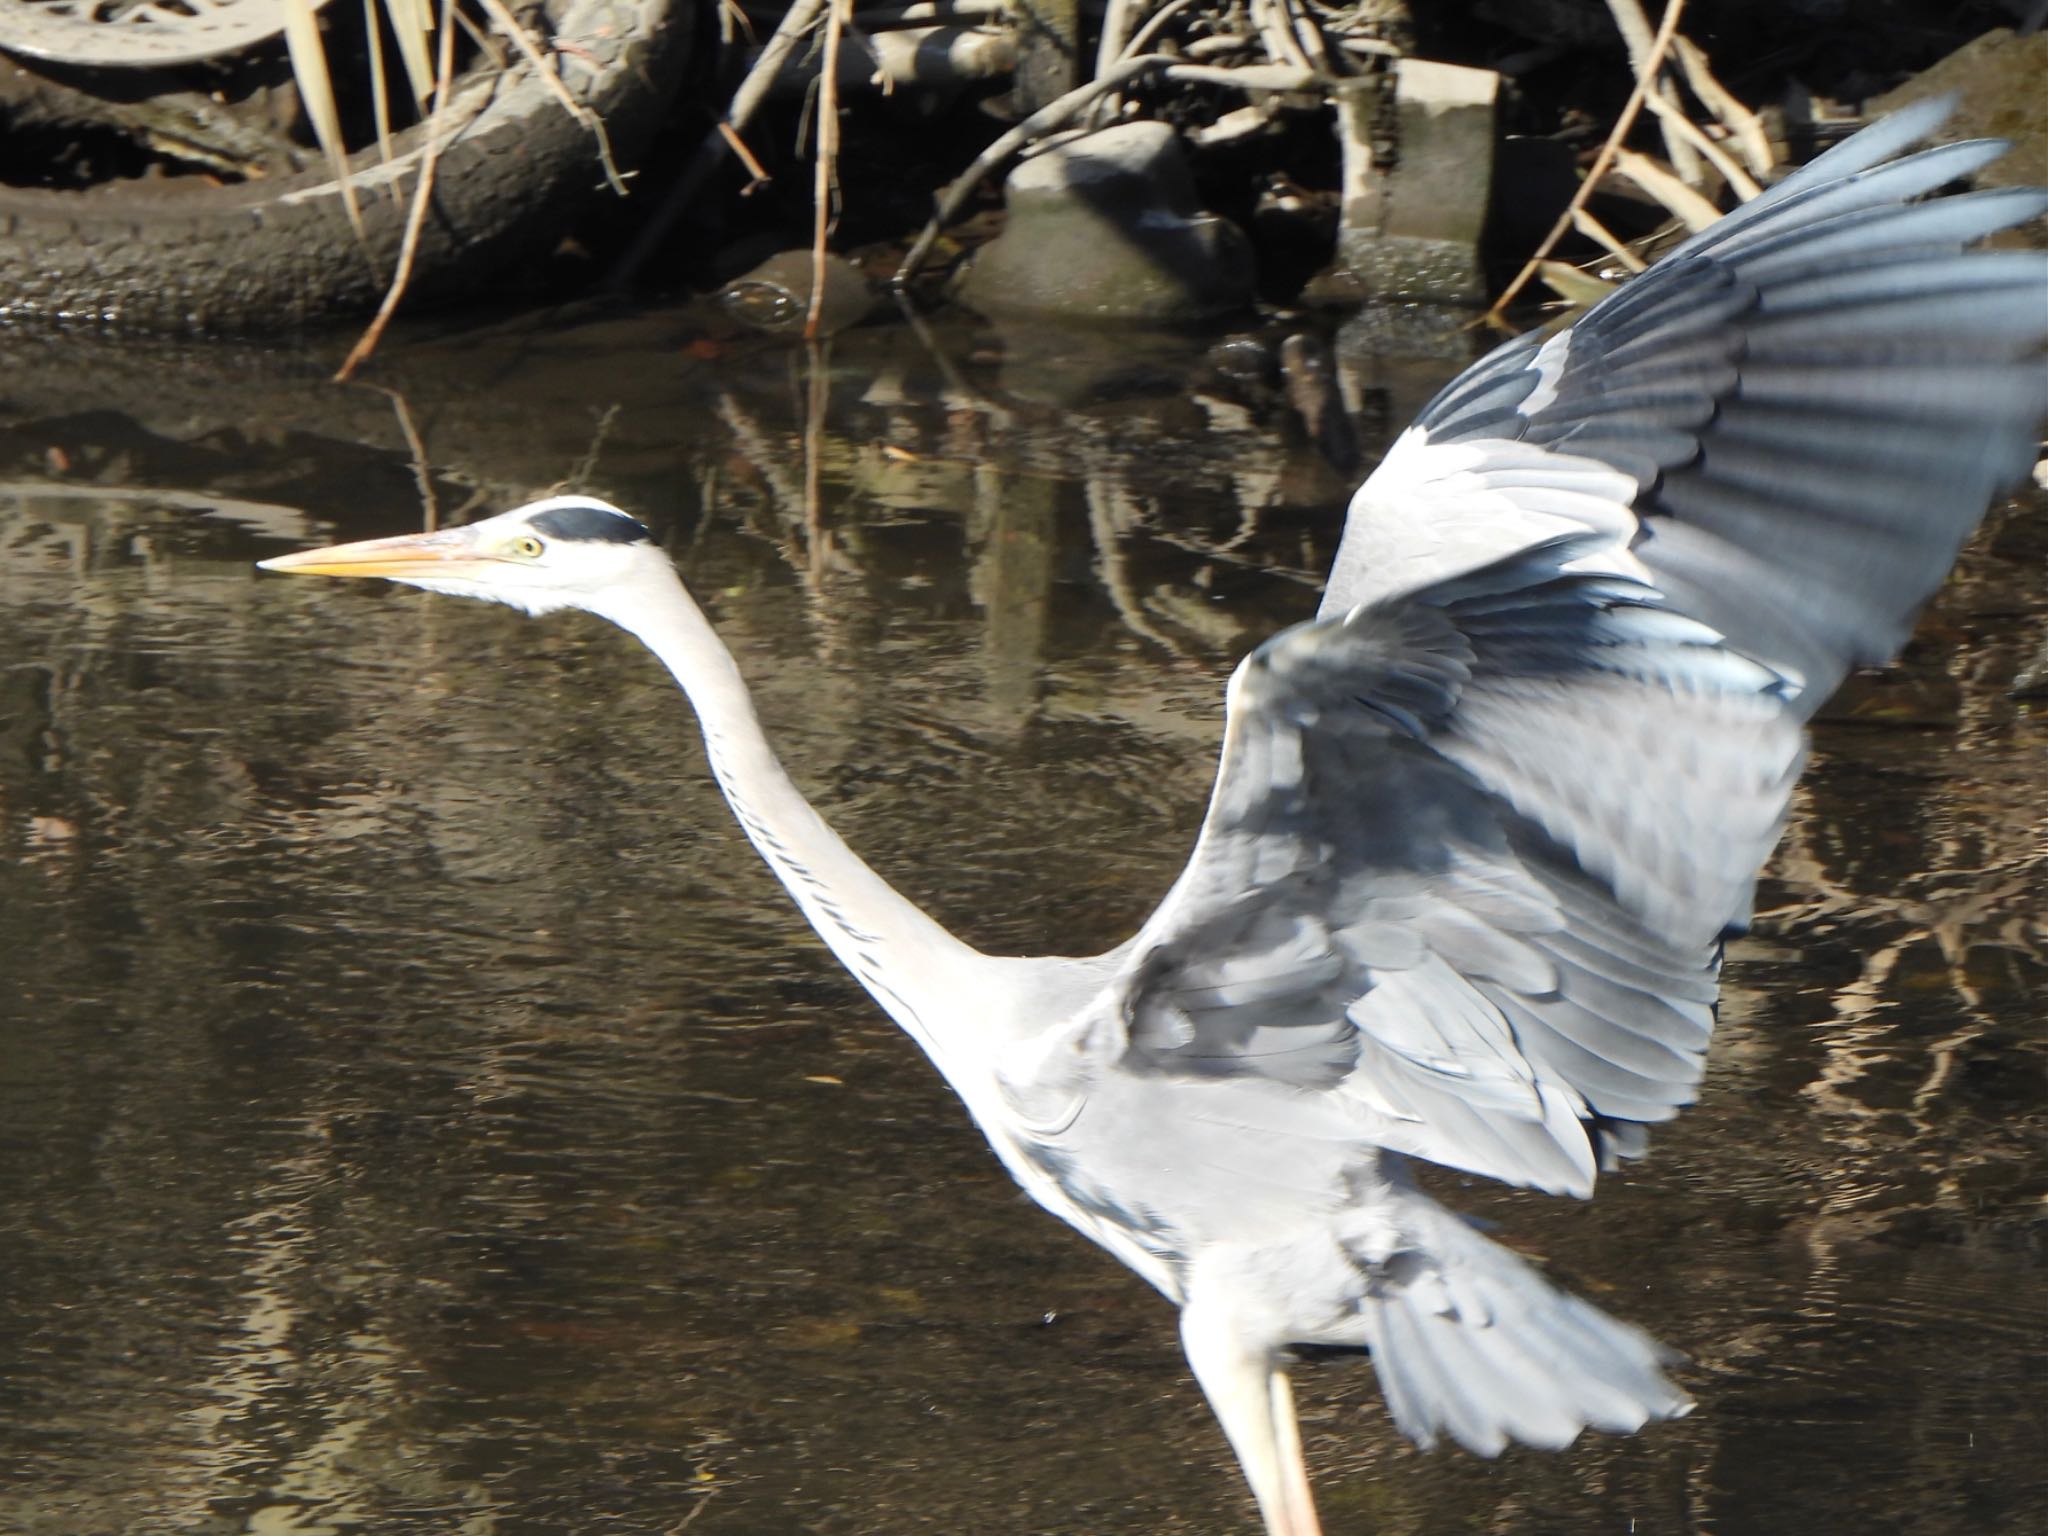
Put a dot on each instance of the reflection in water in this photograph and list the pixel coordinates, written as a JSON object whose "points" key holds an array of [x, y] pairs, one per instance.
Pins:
{"points": [[419, 1112]]}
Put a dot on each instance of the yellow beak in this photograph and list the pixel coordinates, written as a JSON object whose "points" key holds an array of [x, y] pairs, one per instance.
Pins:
{"points": [[450, 553]]}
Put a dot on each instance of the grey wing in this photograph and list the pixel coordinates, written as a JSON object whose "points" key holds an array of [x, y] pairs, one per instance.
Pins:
{"points": [[1794, 418], [1479, 831], [1467, 865]]}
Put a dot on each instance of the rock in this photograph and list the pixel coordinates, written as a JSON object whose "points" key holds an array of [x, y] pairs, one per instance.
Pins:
{"points": [[776, 295], [1414, 202], [2000, 76], [1106, 227]]}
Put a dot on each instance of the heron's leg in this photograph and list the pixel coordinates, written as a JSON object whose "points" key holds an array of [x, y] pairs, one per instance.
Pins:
{"points": [[1252, 1400], [1293, 1464]]}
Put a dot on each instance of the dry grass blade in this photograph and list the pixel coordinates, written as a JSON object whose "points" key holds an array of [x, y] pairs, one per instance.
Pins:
{"points": [[316, 92], [1603, 237], [422, 200], [1686, 205], [1580, 290], [412, 23], [380, 95]]}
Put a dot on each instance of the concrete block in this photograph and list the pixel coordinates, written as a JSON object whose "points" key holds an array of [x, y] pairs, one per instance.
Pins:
{"points": [[1417, 175]]}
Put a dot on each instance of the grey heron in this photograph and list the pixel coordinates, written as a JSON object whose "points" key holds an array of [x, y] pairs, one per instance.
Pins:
{"points": [[1479, 830]]}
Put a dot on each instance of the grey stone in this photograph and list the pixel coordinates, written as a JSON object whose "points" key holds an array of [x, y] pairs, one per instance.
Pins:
{"points": [[1107, 228], [776, 295]]}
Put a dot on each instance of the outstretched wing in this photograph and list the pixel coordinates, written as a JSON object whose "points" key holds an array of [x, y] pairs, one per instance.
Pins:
{"points": [[1479, 831], [1794, 419]]}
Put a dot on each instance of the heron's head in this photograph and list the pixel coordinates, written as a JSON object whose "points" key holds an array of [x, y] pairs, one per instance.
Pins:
{"points": [[565, 552]]}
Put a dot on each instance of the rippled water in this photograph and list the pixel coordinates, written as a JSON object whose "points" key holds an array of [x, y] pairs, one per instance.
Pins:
{"points": [[419, 1112]]}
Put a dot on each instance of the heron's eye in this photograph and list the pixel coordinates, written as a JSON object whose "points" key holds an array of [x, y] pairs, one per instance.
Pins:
{"points": [[527, 547]]}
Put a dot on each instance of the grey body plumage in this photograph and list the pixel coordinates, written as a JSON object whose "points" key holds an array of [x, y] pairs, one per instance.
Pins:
{"points": [[1480, 829]]}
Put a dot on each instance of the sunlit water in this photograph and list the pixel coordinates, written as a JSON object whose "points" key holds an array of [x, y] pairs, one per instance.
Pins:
{"points": [[419, 1111]]}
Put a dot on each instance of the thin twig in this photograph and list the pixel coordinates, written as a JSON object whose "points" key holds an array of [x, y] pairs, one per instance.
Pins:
{"points": [[1666, 30], [422, 199], [316, 98], [826, 182], [1244, 77], [1309, 34], [585, 471], [380, 101], [1276, 30], [745, 156]]}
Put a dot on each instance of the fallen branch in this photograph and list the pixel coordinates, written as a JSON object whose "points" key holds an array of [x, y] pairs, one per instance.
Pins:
{"points": [[1685, 205], [1117, 28], [1635, 32], [1743, 125], [1652, 61], [1675, 121]]}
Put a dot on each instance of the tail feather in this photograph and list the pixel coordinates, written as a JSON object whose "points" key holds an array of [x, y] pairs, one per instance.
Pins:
{"points": [[1470, 1341]]}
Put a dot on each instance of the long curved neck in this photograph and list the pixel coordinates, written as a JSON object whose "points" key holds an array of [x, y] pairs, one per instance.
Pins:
{"points": [[903, 957]]}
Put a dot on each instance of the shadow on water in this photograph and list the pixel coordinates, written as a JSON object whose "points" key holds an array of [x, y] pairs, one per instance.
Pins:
{"points": [[419, 1112]]}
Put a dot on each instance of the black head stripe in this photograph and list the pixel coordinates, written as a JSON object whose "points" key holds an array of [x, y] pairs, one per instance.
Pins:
{"points": [[589, 521]]}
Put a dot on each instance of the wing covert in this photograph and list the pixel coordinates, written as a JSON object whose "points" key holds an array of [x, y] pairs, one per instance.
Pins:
{"points": [[1467, 865]]}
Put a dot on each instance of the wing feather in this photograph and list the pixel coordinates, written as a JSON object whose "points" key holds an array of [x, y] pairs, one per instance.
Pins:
{"points": [[1480, 830], [1824, 369]]}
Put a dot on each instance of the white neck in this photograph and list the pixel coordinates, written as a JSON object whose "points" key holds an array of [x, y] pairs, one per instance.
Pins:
{"points": [[907, 962]]}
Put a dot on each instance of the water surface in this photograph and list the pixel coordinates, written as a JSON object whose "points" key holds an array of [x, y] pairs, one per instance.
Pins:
{"points": [[420, 1112]]}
